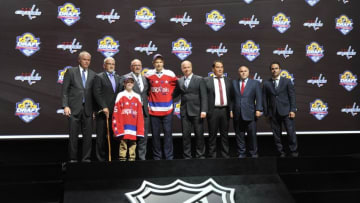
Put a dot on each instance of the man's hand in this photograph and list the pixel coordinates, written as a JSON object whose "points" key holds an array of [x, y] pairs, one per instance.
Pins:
{"points": [[106, 112], [67, 111], [203, 115], [292, 114], [257, 114]]}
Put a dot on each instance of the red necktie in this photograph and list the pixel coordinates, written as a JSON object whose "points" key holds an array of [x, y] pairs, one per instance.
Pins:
{"points": [[242, 87], [221, 92]]}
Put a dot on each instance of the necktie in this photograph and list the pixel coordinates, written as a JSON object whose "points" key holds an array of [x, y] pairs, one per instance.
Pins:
{"points": [[139, 83], [83, 77], [276, 84], [221, 92], [112, 80], [186, 83], [242, 87]]}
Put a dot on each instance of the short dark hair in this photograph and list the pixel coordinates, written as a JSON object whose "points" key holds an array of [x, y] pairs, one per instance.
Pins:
{"points": [[217, 61], [274, 62]]}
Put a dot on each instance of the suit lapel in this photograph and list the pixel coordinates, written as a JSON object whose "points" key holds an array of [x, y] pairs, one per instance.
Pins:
{"points": [[78, 76]]}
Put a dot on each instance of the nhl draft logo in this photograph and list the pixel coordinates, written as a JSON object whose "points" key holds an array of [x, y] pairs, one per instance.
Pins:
{"points": [[68, 14], [348, 53], [31, 13], [61, 74], [285, 52], [250, 50], [319, 109], [218, 50], [177, 106], [181, 48], [149, 48], [318, 81], [71, 46], [344, 24], [348, 80], [110, 17], [281, 22], [215, 20], [352, 110], [314, 51], [180, 191], [315, 24], [312, 2], [145, 17], [31, 78], [257, 77], [248, 1], [27, 110], [251, 22], [286, 74], [107, 46], [27, 44], [182, 19]]}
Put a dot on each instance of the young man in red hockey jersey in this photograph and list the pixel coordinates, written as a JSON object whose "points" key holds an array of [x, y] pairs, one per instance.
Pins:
{"points": [[128, 120], [162, 84]]}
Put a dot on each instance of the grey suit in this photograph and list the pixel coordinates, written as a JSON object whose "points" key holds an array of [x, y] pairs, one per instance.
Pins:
{"points": [[193, 102], [142, 142], [244, 107], [80, 101]]}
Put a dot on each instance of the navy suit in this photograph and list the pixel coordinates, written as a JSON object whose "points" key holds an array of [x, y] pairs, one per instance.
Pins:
{"points": [[278, 103], [244, 107]]}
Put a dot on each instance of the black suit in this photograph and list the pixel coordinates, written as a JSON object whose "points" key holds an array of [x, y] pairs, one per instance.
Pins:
{"points": [[105, 98], [142, 142], [80, 102], [278, 103], [218, 118], [244, 107], [193, 102]]}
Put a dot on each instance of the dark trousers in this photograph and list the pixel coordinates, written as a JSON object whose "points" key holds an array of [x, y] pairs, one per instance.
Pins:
{"points": [[101, 137], [166, 123], [219, 121], [241, 126], [142, 141], [276, 125], [187, 124], [84, 123]]}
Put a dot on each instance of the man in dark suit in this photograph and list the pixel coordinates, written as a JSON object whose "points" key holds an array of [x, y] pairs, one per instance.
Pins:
{"points": [[141, 87], [193, 109], [280, 106], [219, 107], [107, 85], [247, 107], [77, 101]]}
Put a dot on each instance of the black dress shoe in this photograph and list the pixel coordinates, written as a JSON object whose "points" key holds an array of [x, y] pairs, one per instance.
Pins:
{"points": [[86, 161], [73, 161], [242, 156], [282, 155], [254, 156], [294, 154]]}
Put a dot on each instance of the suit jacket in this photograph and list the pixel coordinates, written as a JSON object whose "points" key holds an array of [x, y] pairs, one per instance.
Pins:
{"points": [[245, 105], [209, 81], [73, 91], [103, 91], [281, 99], [193, 98], [143, 94]]}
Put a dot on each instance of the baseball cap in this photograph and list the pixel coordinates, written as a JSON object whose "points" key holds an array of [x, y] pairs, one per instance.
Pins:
{"points": [[158, 56], [128, 79]]}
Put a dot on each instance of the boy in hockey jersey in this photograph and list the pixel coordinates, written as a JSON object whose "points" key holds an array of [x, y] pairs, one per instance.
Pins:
{"points": [[128, 120]]}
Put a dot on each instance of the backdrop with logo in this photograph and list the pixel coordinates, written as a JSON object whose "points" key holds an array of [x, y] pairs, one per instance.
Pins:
{"points": [[316, 42]]}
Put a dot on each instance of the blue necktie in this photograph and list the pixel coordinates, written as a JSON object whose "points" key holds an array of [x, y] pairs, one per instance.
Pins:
{"points": [[83, 78], [112, 80]]}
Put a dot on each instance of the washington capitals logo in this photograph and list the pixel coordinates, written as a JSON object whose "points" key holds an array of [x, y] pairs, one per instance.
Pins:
{"points": [[27, 44], [314, 51], [31, 13], [315, 24], [107, 46], [215, 20], [71, 46], [288, 75], [31, 78], [344, 24], [149, 48], [352, 110], [145, 17], [181, 48], [252, 22], [348, 53], [285, 52], [348, 80], [218, 50], [281, 22], [68, 14], [180, 191], [312, 2], [61, 74], [111, 16], [250, 50], [182, 19], [319, 109], [27, 110], [318, 81]]}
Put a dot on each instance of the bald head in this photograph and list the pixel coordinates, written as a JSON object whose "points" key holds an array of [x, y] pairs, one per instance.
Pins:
{"points": [[84, 59], [136, 66], [186, 68]]}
